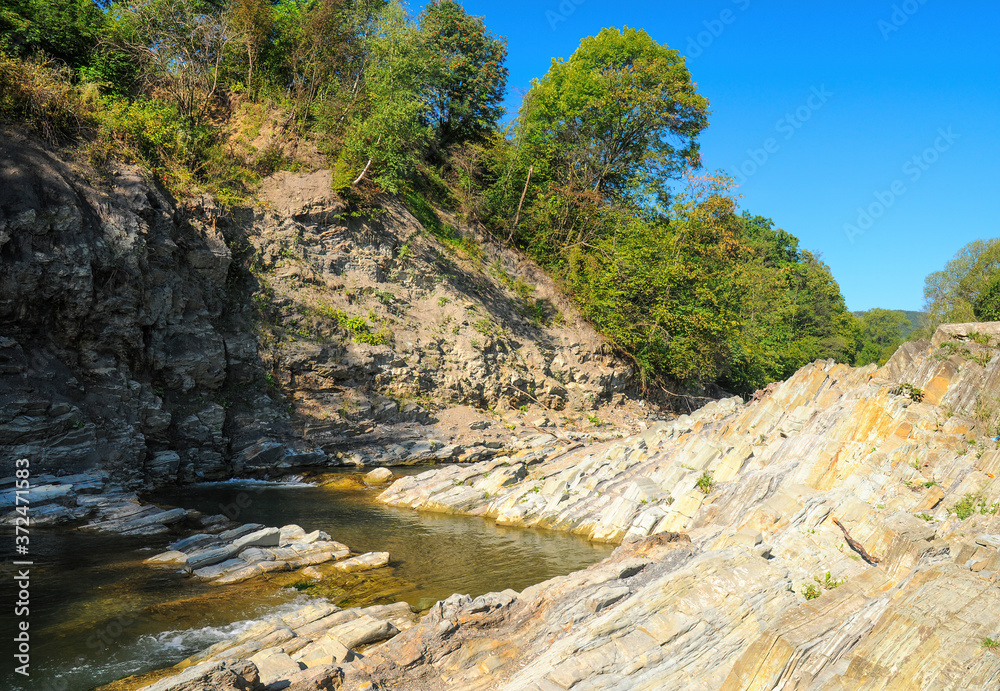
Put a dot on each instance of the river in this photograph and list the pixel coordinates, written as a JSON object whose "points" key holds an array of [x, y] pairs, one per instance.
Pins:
{"points": [[98, 614]]}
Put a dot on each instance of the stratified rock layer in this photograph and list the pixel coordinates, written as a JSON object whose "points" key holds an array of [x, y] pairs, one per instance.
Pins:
{"points": [[769, 593]]}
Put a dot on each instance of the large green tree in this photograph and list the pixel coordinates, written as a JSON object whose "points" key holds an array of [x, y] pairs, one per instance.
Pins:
{"points": [[620, 117], [466, 78], [67, 30], [881, 332]]}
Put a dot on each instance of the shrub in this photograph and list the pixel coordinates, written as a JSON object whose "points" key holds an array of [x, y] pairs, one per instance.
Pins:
{"points": [[909, 391], [41, 95], [971, 504], [705, 482]]}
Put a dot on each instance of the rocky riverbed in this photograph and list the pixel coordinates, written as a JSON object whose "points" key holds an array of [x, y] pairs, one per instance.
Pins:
{"points": [[840, 532]]}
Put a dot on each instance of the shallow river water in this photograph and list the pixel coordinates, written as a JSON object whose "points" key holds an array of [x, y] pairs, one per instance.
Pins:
{"points": [[98, 614]]}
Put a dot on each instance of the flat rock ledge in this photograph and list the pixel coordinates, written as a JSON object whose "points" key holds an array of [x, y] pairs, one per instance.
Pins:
{"points": [[310, 649], [843, 533], [251, 550]]}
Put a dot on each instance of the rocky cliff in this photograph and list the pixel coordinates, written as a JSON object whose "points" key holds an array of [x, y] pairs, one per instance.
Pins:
{"points": [[841, 533], [170, 342]]}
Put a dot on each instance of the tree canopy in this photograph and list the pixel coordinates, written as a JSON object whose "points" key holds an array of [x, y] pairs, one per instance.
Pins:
{"points": [[598, 179], [620, 117], [965, 289]]}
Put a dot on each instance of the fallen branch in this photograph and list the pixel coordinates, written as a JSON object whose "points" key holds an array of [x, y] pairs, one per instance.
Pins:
{"points": [[855, 545], [519, 204], [358, 179]]}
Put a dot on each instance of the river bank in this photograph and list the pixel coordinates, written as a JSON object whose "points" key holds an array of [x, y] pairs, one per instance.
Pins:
{"points": [[841, 531], [101, 614]]}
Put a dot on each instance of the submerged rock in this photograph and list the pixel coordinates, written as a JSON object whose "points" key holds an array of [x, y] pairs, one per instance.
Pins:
{"points": [[379, 476]]}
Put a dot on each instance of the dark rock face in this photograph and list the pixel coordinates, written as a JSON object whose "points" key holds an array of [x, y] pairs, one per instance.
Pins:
{"points": [[114, 324]]}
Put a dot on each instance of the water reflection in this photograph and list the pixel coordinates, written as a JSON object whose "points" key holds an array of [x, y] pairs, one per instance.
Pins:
{"points": [[98, 614], [439, 554]]}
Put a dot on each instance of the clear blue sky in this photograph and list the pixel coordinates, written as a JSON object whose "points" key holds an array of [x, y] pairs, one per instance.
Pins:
{"points": [[892, 77]]}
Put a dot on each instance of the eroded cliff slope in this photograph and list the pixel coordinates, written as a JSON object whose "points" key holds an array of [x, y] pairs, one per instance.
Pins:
{"points": [[169, 341], [841, 533]]}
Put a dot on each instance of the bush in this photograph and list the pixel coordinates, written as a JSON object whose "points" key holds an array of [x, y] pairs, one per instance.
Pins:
{"points": [[41, 95], [972, 504]]}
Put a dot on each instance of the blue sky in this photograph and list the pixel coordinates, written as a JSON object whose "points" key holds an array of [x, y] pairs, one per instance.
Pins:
{"points": [[870, 130]]}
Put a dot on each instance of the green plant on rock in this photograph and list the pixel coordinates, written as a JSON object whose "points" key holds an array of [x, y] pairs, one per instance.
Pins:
{"points": [[973, 503], [990, 643], [980, 338], [811, 591], [705, 482], [909, 391], [828, 582]]}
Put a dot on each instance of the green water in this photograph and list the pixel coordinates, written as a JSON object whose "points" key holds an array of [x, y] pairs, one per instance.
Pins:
{"points": [[98, 614]]}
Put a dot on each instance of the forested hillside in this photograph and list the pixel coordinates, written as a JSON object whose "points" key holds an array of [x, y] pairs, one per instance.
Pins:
{"points": [[597, 177]]}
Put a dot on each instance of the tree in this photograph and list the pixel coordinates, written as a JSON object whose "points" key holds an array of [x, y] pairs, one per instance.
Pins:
{"points": [[253, 21], [663, 290], [388, 134], [620, 117], [67, 30], [881, 332], [987, 305], [967, 281], [178, 45], [466, 78]]}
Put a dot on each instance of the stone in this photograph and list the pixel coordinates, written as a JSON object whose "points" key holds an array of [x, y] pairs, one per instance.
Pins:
{"points": [[171, 557], [364, 630], [210, 557], [215, 675], [988, 541], [365, 562], [321, 678], [274, 666], [291, 532], [379, 476], [265, 537]]}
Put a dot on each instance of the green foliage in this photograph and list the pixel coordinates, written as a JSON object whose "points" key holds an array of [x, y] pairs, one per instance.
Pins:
{"points": [[67, 30], [811, 591], [967, 289], [41, 96], [828, 582], [608, 118], [909, 391], [973, 503], [880, 334], [989, 643], [466, 79], [705, 482], [388, 134]]}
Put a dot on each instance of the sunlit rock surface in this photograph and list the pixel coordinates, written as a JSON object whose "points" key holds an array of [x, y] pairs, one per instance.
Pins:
{"points": [[838, 533]]}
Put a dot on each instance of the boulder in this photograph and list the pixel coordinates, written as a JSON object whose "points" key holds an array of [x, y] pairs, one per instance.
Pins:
{"points": [[379, 476]]}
